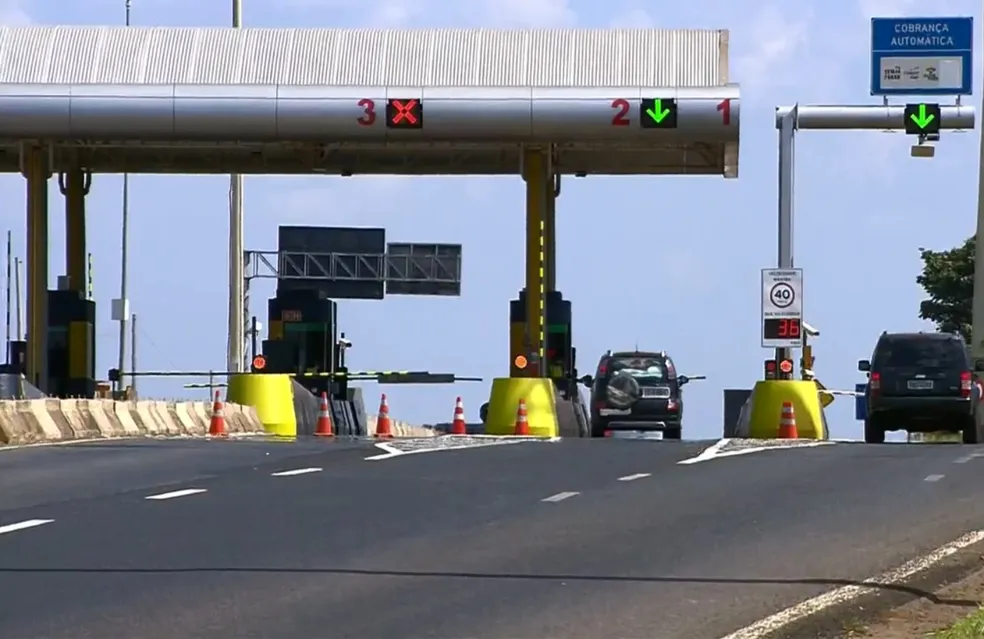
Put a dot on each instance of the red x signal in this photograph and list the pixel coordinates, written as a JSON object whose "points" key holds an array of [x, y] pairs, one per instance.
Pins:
{"points": [[404, 111]]}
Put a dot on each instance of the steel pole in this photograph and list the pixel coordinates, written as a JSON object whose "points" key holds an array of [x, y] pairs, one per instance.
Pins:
{"points": [[133, 354], [237, 339], [124, 250], [977, 304], [787, 140], [10, 277]]}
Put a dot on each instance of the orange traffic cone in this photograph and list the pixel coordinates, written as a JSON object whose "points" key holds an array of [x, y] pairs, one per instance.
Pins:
{"points": [[522, 426], [384, 428], [458, 422], [217, 425], [787, 422], [323, 427]]}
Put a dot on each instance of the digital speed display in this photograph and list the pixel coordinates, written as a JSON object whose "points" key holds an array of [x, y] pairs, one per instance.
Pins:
{"points": [[782, 328]]}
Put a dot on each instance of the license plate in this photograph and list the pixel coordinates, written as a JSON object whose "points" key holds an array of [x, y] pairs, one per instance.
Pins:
{"points": [[606, 412], [636, 434], [656, 393], [920, 384]]}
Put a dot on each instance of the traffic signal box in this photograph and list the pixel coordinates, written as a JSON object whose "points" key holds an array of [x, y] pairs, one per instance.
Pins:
{"points": [[922, 119], [302, 337], [71, 344], [560, 353]]}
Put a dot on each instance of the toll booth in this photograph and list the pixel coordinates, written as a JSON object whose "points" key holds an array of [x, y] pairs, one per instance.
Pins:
{"points": [[302, 334], [17, 357], [560, 353], [71, 344]]}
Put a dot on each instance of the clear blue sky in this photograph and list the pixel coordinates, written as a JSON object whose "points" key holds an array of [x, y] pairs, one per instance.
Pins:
{"points": [[863, 208]]}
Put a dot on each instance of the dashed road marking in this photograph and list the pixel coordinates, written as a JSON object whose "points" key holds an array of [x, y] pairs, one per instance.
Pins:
{"points": [[296, 471], [769, 625], [23, 525], [635, 477], [933, 477], [559, 497], [176, 493]]}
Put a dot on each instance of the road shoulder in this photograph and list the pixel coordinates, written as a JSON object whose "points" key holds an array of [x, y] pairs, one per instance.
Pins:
{"points": [[930, 601], [925, 616]]}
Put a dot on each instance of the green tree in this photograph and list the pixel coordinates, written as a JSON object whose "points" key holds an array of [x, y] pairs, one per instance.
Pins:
{"points": [[948, 279]]}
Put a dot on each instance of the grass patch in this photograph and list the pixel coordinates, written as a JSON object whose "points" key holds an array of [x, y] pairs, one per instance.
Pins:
{"points": [[971, 627]]}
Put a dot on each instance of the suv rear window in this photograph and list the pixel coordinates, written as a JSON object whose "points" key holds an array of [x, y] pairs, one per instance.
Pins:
{"points": [[647, 371], [921, 353]]}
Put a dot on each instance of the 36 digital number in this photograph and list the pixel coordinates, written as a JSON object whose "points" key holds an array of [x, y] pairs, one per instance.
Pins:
{"points": [[782, 328]]}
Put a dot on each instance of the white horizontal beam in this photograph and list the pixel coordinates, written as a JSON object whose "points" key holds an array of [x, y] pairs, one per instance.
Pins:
{"points": [[872, 117]]}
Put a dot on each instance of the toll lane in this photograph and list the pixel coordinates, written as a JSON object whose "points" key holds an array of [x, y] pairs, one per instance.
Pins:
{"points": [[34, 476], [460, 543]]}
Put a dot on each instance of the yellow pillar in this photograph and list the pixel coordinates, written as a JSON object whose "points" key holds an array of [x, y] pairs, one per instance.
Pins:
{"points": [[538, 184], [74, 185], [36, 170], [550, 235]]}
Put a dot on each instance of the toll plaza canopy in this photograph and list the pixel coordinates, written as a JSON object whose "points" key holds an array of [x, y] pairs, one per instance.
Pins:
{"points": [[336, 101]]}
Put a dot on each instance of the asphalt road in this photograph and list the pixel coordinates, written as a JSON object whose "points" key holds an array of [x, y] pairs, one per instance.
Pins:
{"points": [[456, 543]]}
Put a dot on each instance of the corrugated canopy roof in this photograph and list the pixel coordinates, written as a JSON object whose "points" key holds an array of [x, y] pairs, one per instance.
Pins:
{"points": [[364, 57]]}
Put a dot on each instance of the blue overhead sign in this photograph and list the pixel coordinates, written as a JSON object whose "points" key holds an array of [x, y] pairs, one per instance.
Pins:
{"points": [[922, 56]]}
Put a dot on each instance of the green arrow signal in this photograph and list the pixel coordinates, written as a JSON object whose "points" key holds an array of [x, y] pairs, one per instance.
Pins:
{"points": [[922, 119], [658, 113]]}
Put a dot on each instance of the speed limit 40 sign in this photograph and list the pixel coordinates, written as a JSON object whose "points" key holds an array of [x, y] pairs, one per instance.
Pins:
{"points": [[782, 308]]}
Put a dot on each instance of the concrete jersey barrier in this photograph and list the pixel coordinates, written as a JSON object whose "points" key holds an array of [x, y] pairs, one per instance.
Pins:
{"points": [[31, 421]]}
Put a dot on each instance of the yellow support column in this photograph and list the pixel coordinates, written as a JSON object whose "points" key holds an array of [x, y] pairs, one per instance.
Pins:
{"points": [[538, 184], [550, 232], [36, 170], [74, 185]]}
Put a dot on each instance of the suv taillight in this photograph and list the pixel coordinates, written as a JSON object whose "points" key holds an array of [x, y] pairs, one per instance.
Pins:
{"points": [[874, 383], [966, 383], [671, 405]]}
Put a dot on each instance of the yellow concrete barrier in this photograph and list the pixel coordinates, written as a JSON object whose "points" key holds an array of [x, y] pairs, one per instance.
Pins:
{"points": [[767, 400], [541, 406], [271, 395]]}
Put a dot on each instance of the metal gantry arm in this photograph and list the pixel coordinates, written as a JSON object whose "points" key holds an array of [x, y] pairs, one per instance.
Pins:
{"points": [[379, 267], [869, 118], [881, 117]]}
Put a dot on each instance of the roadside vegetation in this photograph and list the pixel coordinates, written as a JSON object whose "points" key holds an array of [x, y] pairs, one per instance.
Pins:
{"points": [[970, 628]]}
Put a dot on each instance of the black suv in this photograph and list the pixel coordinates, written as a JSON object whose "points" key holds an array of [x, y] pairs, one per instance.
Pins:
{"points": [[922, 382], [636, 391]]}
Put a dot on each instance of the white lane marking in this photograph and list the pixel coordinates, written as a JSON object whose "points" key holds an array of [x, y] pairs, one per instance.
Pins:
{"points": [[296, 471], [933, 477], [559, 497], [714, 452], [707, 453], [767, 626], [967, 458], [635, 477], [490, 440], [22, 525], [177, 493]]}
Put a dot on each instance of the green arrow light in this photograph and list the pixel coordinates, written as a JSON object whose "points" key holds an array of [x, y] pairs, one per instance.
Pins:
{"points": [[921, 119], [658, 113]]}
